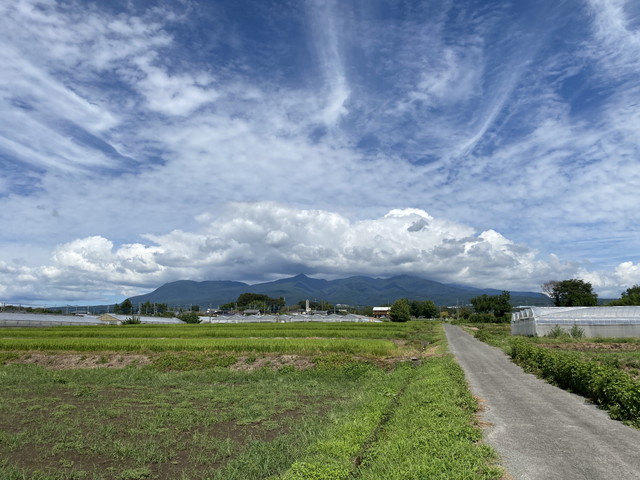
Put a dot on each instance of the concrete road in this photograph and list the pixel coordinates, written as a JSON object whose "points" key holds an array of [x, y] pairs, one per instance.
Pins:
{"points": [[541, 431]]}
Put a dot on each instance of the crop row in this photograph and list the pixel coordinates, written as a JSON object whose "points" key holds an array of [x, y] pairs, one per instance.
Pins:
{"points": [[263, 345], [604, 384], [351, 330]]}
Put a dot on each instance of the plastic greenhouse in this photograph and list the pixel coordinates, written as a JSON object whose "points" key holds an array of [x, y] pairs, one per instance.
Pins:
{"points": [[593, 321]]}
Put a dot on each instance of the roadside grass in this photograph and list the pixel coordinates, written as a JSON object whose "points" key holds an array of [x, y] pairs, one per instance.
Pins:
{"points": [[346, 416], [423, 426], [434, 420]]}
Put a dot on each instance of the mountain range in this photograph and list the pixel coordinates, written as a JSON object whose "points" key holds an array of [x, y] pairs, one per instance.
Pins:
{"points": [[354, 291]]}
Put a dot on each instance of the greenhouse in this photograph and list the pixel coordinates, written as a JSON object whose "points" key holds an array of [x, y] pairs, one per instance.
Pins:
{"points": [[593, 321]]}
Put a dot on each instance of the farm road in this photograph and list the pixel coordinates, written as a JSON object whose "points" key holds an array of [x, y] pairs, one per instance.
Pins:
{"points": [[541, 431]]}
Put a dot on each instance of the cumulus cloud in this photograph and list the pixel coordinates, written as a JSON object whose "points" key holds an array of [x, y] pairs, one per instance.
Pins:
{"points": [[263, 241]]}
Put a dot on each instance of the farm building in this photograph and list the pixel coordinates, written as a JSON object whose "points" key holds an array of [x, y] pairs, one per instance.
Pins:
{"points": [[594, 321], [379, 312]]}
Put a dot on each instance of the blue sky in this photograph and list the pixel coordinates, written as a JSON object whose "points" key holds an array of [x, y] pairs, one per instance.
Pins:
{"points": [[493, 144]]}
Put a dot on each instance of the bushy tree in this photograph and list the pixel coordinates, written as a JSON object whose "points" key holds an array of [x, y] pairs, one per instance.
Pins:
{"points": [[631, 296], [189, 317], [426, 309], [125, 307], [400, 311], [497, 305], [574, 293]]}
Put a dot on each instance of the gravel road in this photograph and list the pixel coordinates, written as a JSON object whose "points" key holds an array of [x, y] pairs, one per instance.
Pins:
{"points": [[541, 431]]}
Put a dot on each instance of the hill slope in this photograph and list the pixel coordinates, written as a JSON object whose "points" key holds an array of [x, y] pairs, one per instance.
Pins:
{"points": [[357, 290]]}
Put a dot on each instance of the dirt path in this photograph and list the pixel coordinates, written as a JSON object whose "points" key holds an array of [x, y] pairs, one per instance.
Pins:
{"points": [[540, 431]]}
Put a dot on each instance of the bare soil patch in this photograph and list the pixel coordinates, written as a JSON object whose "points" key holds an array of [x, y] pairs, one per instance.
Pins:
{"points": [[244, 363], [275, 362], [66, 361]]}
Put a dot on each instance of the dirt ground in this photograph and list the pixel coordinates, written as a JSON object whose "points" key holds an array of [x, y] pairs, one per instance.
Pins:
{"points": [[66, 361]]}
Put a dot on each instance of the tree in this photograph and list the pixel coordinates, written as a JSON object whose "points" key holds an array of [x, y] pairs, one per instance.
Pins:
{"points": [[497, 305], [631, 296], [189, 317], [400, 311], [260, 302], [574, 293], [125, 307], [426, 309]]}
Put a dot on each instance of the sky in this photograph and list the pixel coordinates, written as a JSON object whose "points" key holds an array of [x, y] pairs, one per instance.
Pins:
{"points": [[487, 143]]}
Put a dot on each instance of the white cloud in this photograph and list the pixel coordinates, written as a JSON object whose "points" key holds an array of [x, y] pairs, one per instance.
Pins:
{"points": [[260, 241], [106, 133], [324, 19]]}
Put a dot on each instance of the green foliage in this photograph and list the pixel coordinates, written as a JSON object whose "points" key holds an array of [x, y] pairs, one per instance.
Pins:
{"points": [[558, 332], [191, 361], [483, 318], [317, 471], [496, 334], [132, 320], [576, 331], [573, 293], [260, 302], [631, 296], [266, 345], [7, 356], [426, 309], [432, 415], [153, 309], [189, 317], [125, 308], [496, 305], [183, 417], [400, 311], [606, 385]]}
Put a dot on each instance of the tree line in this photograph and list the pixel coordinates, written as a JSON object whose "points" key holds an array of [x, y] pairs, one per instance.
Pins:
{"points": [[485, 308]]}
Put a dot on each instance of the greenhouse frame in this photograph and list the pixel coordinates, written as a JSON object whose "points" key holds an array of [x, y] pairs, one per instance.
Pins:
{"points": [[593, 321]]}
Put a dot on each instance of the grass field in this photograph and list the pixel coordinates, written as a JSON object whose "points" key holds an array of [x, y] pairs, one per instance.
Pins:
{"points": [[238, 402]]}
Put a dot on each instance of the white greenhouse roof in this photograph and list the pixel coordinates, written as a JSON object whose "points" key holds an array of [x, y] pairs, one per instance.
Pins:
{"points": [[593, 315]]}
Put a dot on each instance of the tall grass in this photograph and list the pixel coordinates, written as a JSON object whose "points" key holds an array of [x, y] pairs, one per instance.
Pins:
{"points": [[261, 345], [251, 330]]}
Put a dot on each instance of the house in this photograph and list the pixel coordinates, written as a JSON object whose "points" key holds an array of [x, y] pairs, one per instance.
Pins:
{"points": [[379, 312], [593, 321]]}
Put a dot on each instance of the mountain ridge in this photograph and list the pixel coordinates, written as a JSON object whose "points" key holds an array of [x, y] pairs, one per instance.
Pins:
{"points": [[356, 291]]}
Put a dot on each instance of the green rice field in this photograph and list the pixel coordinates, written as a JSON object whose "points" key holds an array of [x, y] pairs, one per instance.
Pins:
{"points": [[321, 401]]}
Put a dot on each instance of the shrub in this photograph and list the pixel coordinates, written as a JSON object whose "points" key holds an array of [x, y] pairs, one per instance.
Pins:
{"points": [[576, 331], [133, 320], [606, 385], [482, 318], [557, 332], [189, 317]]}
